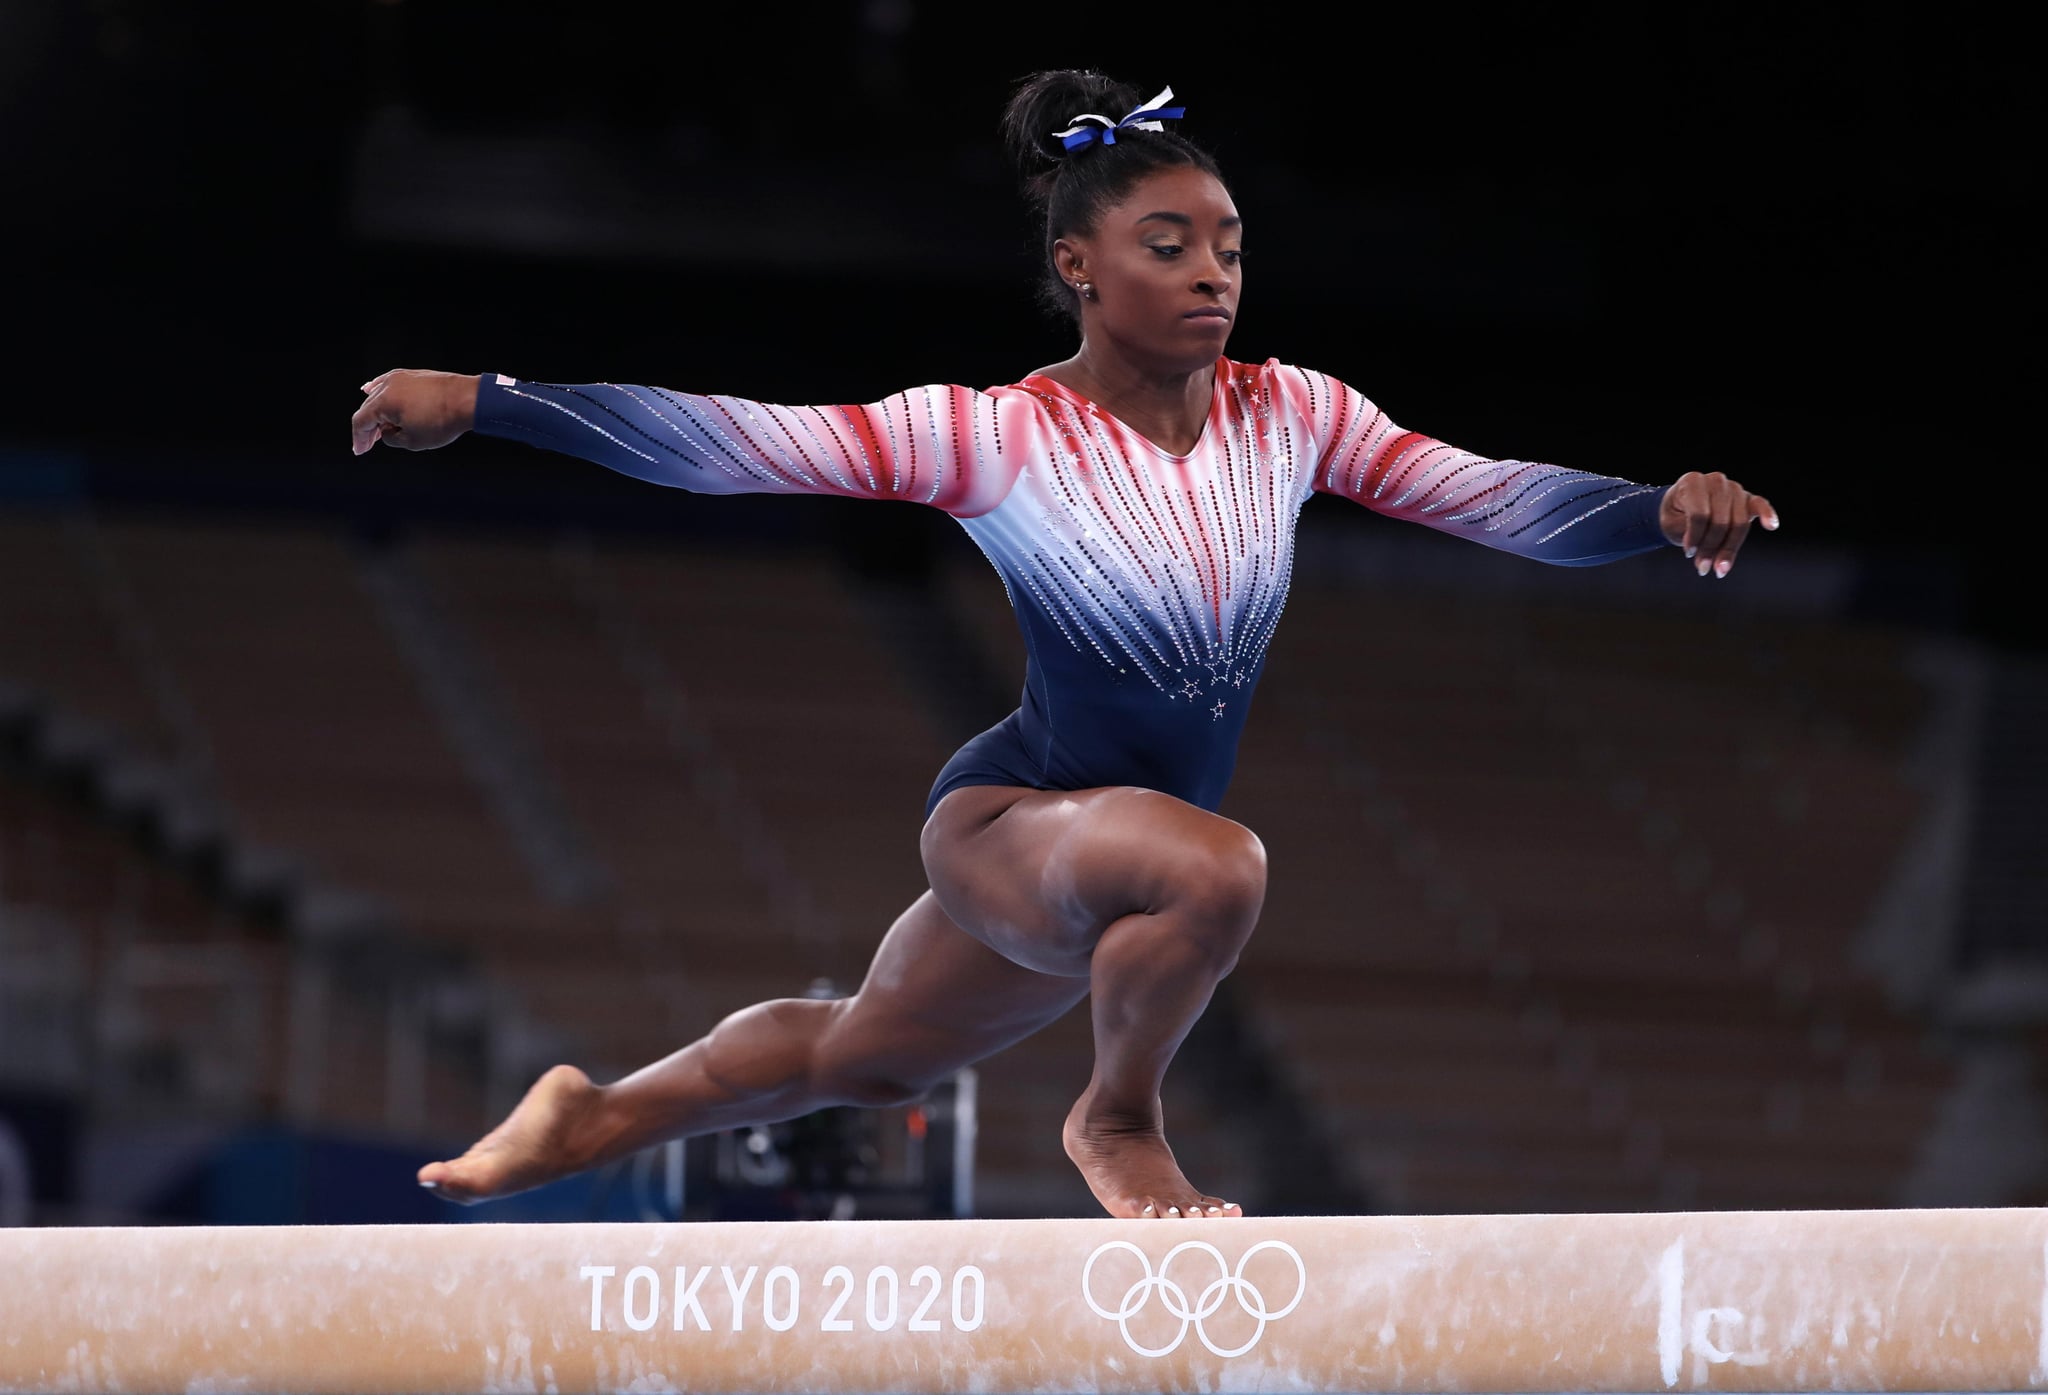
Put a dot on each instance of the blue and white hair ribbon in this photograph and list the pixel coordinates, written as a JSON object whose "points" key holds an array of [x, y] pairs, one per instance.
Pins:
{"points": [[1143, 118]]}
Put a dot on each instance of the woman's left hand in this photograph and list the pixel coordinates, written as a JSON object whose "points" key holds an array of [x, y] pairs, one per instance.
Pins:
{"points": [[1709, 516]]}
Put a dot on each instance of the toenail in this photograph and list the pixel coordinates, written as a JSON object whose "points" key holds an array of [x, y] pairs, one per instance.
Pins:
{"points": [[1215, 1210], [1173, 1210], [1148, 1210]]}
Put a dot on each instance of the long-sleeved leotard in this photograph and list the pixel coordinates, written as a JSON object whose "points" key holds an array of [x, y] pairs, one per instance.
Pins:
{"points": [[1147, 585]]}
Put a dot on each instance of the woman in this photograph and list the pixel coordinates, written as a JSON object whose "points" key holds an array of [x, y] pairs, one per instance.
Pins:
{"points": [[1139, 500]]}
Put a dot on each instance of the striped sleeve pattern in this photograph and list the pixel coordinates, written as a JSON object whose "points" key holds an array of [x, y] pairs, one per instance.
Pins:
{"points": [[1545, 512], [936, 445]]}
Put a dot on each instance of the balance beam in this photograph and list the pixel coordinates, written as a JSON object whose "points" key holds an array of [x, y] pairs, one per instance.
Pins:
{"points": [[1929, 1300]]}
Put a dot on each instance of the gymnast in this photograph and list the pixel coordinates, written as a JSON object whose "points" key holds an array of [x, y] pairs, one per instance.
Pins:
{"points": [[1139, 501]]}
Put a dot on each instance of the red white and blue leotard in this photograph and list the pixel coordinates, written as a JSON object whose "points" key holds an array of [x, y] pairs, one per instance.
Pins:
{"points": [[1147, 585]]}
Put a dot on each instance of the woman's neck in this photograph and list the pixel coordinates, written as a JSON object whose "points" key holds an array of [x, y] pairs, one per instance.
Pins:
{"points": [[1168, 409]]}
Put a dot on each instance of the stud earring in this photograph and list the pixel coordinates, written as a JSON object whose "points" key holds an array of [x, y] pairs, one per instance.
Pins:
{"points": [[1087, 289]]}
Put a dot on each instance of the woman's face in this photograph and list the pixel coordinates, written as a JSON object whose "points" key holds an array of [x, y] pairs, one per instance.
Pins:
{"points": [[1166, 267]]}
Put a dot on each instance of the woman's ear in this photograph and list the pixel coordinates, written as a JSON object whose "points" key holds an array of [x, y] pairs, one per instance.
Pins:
{"points": [[1068, 260]]}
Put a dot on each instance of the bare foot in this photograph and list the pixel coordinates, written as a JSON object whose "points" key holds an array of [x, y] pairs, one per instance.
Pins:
{"points": [[535, 1145], [1128, 1166]]}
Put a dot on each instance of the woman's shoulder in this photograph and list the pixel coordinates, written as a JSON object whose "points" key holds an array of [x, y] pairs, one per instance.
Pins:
{"points": [[1234, 372], [1275, 370], [1281, 382], [1280, 378], [1035, 381], [1252, 372]]}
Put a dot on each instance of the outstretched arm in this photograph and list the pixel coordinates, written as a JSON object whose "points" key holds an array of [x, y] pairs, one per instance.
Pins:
{"points": [[1567, 517], [923, 444]]}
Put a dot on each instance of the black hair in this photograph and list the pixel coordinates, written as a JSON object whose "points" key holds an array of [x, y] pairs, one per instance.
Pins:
{"points": [[1072, 188]]}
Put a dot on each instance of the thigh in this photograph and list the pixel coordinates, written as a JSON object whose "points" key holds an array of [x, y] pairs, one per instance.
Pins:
{"points": [[935, 999], [1038, 875]]}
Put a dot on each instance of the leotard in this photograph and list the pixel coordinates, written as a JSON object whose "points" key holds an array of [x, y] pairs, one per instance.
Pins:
{"points": [[1147, 585]]}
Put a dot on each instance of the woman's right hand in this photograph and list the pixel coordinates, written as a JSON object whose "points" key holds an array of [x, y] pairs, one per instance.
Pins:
{"points": [[414, 409]]}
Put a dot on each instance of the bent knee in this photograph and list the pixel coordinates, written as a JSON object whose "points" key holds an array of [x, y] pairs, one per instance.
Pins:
{"points": [[853, 1062], [1227, 872], [1222, 888], [870, 1091], [869, 1084]]}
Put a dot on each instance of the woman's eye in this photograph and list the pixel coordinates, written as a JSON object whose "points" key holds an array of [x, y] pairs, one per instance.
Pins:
{"points": [[1236, 254], [1166, 249]]}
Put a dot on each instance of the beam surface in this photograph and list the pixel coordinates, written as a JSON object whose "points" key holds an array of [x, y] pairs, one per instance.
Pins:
{"points": [[1765, 1301]]}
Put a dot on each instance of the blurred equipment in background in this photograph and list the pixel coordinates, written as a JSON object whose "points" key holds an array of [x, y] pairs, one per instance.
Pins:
{"points": [[38, 1147], [903, 1163]]}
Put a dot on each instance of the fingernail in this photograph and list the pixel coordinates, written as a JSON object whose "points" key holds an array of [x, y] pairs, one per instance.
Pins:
{"points": [[1721, 567], [1772, 523], [1702, 567], [431, 1186], [1690, 551]]}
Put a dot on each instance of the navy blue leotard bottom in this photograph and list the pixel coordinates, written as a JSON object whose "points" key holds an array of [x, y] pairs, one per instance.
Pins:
{"points": [[1114, 733], [996, 757]]}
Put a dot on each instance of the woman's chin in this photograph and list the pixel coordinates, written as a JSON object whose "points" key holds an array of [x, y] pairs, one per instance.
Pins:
{"points": [[1197, 348], [1208, 331]]}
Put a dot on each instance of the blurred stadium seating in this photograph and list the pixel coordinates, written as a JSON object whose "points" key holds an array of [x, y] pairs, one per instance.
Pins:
{"points": [[1563, 912]]}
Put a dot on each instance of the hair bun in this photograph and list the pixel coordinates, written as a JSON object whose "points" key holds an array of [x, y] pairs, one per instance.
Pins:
{"points": [[1049, 101], [1069, 188]]}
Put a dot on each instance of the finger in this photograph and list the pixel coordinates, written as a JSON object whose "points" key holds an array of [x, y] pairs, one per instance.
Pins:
{"points": [[367, 426], [1726, 561], [1761, 507], [1715, 536], [1705, 537], [1694, 523]]}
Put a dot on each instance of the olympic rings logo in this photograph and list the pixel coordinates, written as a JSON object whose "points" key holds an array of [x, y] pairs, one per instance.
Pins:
{"points": [[1174, 1298]]}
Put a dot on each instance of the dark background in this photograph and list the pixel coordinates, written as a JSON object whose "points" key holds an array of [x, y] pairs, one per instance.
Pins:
{"points": [[1792, 243], [1789, 242]]}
